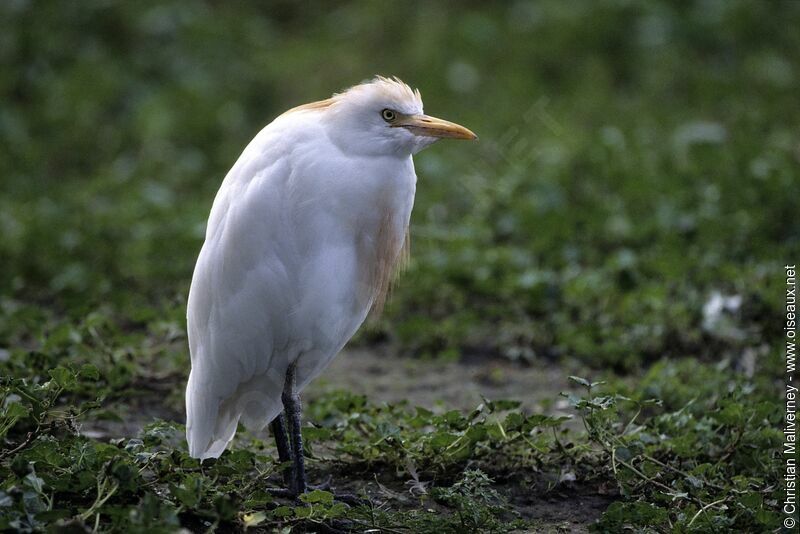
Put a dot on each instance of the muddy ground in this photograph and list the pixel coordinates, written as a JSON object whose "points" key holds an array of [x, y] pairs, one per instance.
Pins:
{"points": [[384, 377]]}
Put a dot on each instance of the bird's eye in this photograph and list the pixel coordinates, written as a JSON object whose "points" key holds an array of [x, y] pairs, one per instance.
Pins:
{"points": [[388, 115]]}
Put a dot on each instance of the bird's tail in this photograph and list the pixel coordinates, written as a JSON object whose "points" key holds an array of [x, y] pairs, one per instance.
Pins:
{"points": [[211, 419]]}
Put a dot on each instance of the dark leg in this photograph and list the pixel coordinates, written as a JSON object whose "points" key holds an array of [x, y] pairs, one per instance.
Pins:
{"points": [[291, 403], [291, 448], [282, 442]]}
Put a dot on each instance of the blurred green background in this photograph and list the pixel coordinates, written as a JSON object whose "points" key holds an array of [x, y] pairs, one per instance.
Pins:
{"points": [[636, 158], [625, 217]]}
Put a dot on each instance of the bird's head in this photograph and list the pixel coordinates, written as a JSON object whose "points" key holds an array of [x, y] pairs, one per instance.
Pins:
{"points": [[384, 117]]}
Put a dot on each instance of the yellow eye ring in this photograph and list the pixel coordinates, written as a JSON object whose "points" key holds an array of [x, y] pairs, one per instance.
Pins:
{"points": [[388, 115]]}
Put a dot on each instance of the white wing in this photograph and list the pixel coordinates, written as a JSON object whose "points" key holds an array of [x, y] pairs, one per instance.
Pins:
{"points": [[240, 301], [281, 276]]}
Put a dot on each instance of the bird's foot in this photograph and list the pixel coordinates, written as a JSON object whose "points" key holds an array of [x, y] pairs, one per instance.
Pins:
{"points": [[323, 486], [351, 499], [346, 498]]}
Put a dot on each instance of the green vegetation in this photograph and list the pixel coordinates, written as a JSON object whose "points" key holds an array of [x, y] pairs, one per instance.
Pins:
{"points": [[638, 161]]}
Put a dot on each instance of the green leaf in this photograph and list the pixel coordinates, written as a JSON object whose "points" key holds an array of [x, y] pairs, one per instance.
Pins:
{"points": [[190, 491], [63, 377], [581, 381], [623, 453], [283, 511], [303, 512], [254, 519], [15, 410], [440, 440], [89, 371], [732, 414], [317, 496], [12, 413], [336, 510], [514, 421], [34, 482], [751, 500], [313, 433], [423, 412]]}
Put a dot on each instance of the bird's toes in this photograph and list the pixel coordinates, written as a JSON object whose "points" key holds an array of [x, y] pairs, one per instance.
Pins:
{"points": [[346, 498], [351, 499], [323, 486]]}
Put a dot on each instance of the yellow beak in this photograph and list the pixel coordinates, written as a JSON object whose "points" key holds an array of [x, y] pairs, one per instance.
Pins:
{"points": [[433, 127]]}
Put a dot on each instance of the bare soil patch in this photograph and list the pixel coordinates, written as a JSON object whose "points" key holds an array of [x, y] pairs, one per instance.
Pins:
{"points": [[385, 377]]}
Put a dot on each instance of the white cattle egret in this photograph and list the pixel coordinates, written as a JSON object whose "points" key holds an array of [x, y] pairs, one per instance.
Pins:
{"points": [[302, 241]]}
